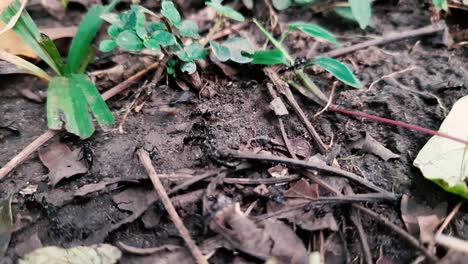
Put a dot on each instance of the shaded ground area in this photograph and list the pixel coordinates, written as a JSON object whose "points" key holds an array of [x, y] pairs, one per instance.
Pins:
{"points": [[184, 132]]}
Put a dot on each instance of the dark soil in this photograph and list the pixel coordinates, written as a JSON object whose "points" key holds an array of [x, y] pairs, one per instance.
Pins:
{"points": [[186, 139]]}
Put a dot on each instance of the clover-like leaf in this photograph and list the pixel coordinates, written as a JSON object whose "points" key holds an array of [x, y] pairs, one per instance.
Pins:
{"points": [[221, 52], [113, 31], [281, 4], [189, 67], [338, 69], [362, 12], [345, 12], [225, 11], [107, 45], [141, 32], [129, 40], [189, 29], [314, 31], [196, 51], [151, 27], [237, 46], [169, 11], [162, 37], [267, 57]]}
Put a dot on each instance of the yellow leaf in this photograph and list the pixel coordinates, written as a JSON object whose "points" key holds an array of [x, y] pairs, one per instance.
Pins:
{"points": [[12, 43]]}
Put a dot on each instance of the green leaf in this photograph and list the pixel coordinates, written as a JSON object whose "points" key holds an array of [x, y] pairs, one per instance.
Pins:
{"points": [[361, 10], [196, 51], [189, 29], [85, 34], [68, 101], [237, 46], [163, 38], [220, 51], [107, 45], [151, 27], [441, 4], [445, 161], [128, 40], [189, 67], [281, 4], [225, 11], [338, 69], [113, 31], [267, 57], [141, 32], [49, 47], [345, 12], [169, 11], [314, 31], [275, 43]]}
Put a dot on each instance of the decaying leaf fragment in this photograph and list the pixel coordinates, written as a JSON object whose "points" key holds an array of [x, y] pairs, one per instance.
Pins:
{"points": [[264, 240], [445, 161], [102, 253]]}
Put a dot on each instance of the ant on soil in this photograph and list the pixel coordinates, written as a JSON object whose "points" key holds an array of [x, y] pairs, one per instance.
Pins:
{"points": [[86, 150]]}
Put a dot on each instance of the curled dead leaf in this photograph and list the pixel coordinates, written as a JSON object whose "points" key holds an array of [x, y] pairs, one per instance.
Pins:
{"points": [[62, 162], [266, 239]]}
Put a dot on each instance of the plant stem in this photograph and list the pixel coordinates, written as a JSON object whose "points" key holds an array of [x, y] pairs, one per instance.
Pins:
{"points": [[310, 85], [274, 42], [219, 22], [335, 108]]}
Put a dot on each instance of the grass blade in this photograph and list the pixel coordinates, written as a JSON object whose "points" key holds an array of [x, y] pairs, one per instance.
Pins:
{"points": [[275, 43], [85, 34]]}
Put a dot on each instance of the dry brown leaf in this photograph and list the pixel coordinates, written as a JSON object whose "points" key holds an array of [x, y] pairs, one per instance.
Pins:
{"points": [[266, 239], [62, 162], [369, 145], [421, 219]]}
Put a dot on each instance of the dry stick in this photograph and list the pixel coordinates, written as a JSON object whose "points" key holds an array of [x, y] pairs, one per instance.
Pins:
{"points": [[444, 225], [49, 134], [229, 30], [427, 30], [146, 162], [313, 166], [413, 241], [356, 219], [287, 142], [283, 88]]}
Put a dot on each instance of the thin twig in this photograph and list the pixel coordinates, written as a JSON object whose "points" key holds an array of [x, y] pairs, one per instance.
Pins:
{"points": [[283, 88], [313, 166], [449, 218], [287, 142], [356, 219], [229, 30], [257, 181], [330, 99], [146, 162], [49, 134], [192, 181], [452, 243], [427, 30], [398, 230], [393, 74]]}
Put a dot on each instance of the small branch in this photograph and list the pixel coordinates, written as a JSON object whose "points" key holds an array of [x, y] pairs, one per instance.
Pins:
{"points": [[287, 142], [228, 31], [427, 30], [146, 162], [335, 108], [398, 230], [313, 166], [283, 88], [452, 243], [49, 134]]}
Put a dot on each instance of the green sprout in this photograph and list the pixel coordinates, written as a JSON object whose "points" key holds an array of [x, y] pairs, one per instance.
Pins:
{"points": [[71, 95]]}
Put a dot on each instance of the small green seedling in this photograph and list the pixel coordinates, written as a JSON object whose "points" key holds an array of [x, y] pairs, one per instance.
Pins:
{"points": [[281, 56], [131, 31], [356, 10], [440, 4], [70, 95]]}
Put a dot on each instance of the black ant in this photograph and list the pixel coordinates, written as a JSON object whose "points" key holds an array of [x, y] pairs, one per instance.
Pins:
{"points": [[298, 63], [87, 155]]}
